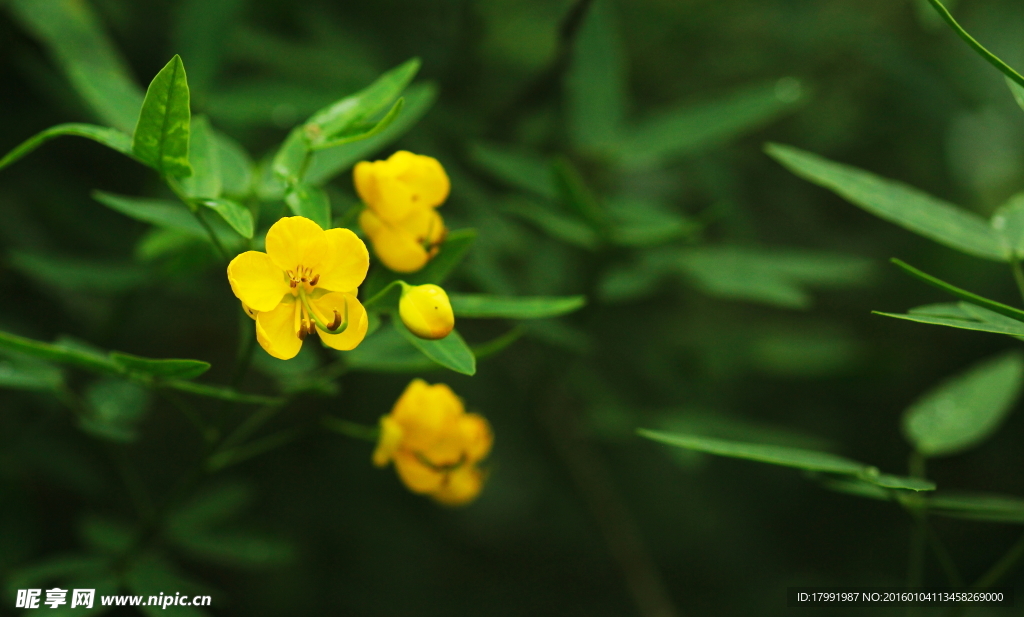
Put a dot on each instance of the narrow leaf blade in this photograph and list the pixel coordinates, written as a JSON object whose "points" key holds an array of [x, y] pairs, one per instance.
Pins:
{"points": [[234, 214], [483, 306], [111, 138], [450, 352]]}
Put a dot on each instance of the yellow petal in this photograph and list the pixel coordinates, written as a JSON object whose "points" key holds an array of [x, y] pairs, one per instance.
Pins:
{"points": [[476, 435], [249, 311], [345, 263], [396, 248], [429, 415], [425, 176], [461, 486], [257, 281], [426, 311], [276, 330], [415, 475], [296, 241], [358, 322], [390, 440], [365, 176]]}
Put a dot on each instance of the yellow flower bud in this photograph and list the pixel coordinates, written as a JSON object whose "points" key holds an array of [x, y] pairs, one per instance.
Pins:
{"points": [[426, 311]]}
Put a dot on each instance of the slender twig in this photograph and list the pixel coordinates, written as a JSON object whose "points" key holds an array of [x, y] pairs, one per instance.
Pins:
{"points": [[197, 212], [208, 432], [351, 429], [991, 58]]}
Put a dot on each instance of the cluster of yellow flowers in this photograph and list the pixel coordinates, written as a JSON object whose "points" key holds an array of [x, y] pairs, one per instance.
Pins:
{"points": [[307, 283]]}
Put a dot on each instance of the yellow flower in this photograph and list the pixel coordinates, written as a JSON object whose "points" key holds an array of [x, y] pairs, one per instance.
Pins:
{"points": [[426, 311], [435, 444], [306, 282], [401, 195]]}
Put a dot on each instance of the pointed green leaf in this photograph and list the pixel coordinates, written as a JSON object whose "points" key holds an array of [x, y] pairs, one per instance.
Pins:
{"points": [[164, 369], [524, 170], [75, 37], [325, 164], [387, 351], [690, 129], [483, 306], [559, 226], [159, 212], [963, 324], [1008, 221], [341, 116], [59, 353], [966, 409], [233, 213], [311, 202], [577, 195], [897, 203], [450, 352], [1017, 91], [364, 131], [596, 81], [111, 138], [975, 299], [162, 133], [989, 57], [204, 158], [114, 408]]}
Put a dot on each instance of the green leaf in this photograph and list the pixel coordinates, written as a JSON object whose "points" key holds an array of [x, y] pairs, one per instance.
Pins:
{"points": [[105, 535], [784, 456], [1017, 91], [163, 369], [160, 212], [643, 223], [151, 575], [234, 214], [342, 115], [559, 226], [198, 34], [690, 129], [210, 507], [204, 158], [897, 203], [114, 408], [966, 409], [162, 133], [111, 138], [989, 57], [517, 168], [236, 167], [975, 299], [235, 548], [325, 164], [1008, 221], [75, 37], [965, 316], [62, 353], [364, 131], [78, 274], [29, 376], [577, 195], [290, 161], [450, 352], [596, 81], [987, 507], [311, 202], [483, 306], [387, 351]]}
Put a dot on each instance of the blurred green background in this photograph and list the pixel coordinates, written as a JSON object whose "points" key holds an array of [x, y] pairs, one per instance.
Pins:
{"points": [[580, 516]]}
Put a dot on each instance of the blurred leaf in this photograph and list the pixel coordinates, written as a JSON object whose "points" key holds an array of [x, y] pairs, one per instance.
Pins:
{"points": [[1008, 221], [61, 568], [204, 159], [992, 305], [855, 487], [483, 306], [641, 223], [160, 212], [689, 129], [966, 409], [387, 351], [161, 137], [74, 36], [62, 353], [111, 138], [163, 369], [517, 168], [210, 507], [596, 81], [1017, 91], [325, 164], [978, 506], [290, 161], [78, 274], [559, 226], [199, 35], [342, 115], [115, 407], [235, 548], [787, 457], [234, 214], [235, 165], [450, 352], [105, 535], [157, 243], [311, 202], [897, 203], [577, 195], [29, 376], [963, 315]]}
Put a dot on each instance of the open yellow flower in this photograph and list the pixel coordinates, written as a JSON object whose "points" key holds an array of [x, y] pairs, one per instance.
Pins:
{"points": [[401, 196], [436, 446], [305, 283]]}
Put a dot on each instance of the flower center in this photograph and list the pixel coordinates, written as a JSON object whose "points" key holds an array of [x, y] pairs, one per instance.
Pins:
{"points": [[304, 276]]}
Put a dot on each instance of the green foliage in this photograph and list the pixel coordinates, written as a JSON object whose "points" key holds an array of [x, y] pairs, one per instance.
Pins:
{"points": [[450, 352], [966, 409], [111, 138], [482, 306], [596, 82], [161, 138], [311, 202]]}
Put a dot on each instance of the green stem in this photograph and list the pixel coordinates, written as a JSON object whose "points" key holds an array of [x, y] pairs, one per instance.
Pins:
{"points": [[208, 432], [246, 349], [352, 429], [377, 297], [252, 449], [218, 392], [1018, 272], [251, 424], [991, 58], [196, 212], [992, 305]]}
